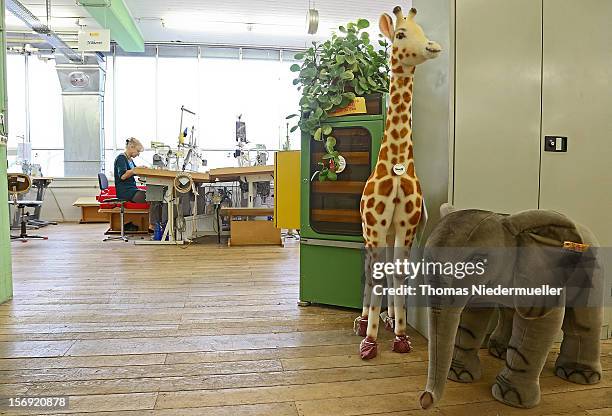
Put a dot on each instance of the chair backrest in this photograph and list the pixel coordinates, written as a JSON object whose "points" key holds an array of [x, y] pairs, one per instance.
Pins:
{"points": [[103, 181], [18, 183]]}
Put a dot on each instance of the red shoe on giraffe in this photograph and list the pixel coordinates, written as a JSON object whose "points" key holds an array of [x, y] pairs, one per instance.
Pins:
{"points": [[360, 326], [368, 348], [401, 344]]}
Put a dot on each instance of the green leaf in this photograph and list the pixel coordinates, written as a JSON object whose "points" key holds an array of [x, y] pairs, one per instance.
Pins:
{"points": [[318, 112], [342, 29], [299, 56], [363, 23], [295, 68], [336, 99], [330, 143], [350, 59], [327, 130], [289, 117], [294, 128], [332, 176], [372, 82], [349, 96], [296, 81], [328, 156], [317, 134], [340, 59], [347, 75]]}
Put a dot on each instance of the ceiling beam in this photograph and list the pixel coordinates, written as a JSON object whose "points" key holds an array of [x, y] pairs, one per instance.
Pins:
{"points": [[116, 16]]}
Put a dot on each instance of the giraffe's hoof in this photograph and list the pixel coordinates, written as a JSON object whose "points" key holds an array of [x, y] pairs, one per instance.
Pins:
{"points": [[361, 326], [368, 348], [389, 322], [401, 344]]}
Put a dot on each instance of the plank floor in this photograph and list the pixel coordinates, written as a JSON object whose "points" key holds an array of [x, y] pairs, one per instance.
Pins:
{"points": [[215, 331]]}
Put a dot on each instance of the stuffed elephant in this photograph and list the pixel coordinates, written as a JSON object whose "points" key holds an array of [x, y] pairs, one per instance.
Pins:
{"points": [[524, 335]]}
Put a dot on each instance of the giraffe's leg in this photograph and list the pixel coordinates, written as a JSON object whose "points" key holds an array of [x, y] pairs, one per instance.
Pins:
{"points": [[388, 318], [360, 325], [368, 347], [579, 360], [518, 383], [401, 342], [498, 342], [465, 365]]}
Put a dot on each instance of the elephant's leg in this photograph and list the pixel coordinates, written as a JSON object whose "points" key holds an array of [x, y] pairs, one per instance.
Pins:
{"points": [[498, 342], [465, 365], [579, 359], [518, 384]]}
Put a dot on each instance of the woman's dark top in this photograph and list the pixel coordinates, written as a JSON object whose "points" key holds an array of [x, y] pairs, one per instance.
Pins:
{"points": [[125, 188]]}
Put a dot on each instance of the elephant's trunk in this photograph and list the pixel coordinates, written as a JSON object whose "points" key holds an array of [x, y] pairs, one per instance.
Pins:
{"points": [[443, 324]]}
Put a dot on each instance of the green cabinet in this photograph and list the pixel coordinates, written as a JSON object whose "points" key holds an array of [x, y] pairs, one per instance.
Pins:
{"points": [[331, 255]]}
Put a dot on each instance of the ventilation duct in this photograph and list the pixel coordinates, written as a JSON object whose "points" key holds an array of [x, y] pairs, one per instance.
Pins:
{"points": [[26, 16], [83, 106]]}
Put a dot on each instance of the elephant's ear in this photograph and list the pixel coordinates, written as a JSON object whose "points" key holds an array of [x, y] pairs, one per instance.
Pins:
{"points": [[543, 227]]}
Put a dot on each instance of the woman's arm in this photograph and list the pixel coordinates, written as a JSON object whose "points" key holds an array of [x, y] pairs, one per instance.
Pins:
{"points": [[128, 174]]}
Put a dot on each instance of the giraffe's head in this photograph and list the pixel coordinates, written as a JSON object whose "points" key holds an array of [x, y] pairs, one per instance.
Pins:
{"points": [[410, 46]]}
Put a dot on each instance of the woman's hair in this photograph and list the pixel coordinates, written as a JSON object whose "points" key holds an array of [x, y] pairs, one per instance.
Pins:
{"points": [[134, 143]]}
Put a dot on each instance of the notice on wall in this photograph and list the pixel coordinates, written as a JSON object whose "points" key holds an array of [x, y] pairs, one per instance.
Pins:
{"points": [[94, 40]]}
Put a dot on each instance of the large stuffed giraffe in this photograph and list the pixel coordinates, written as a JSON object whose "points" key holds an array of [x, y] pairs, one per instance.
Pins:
{"points": [[392, 202]]}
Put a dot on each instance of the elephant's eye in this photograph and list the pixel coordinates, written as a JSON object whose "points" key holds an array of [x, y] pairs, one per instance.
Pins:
{"points": [[400, 35]]}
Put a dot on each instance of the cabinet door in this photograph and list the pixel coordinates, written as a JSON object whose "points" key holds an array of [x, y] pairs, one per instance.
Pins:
{"points": [[497, 104], [577, 103]]}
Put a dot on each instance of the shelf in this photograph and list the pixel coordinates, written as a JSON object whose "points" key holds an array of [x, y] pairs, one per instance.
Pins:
{"points": [[335, 215], [338, 187], [352, 158]]}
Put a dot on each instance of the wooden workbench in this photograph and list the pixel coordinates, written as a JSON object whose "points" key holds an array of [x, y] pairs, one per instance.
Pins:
{"points": [[199, 177], [249, 232], [233, 174]]}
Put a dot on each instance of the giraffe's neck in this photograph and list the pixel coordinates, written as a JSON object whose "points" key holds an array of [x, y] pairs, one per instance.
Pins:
{"points": [[398, 130]]}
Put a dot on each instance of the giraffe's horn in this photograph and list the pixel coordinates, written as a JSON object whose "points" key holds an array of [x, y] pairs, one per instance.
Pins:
{"points": [[412, 13], [398, 12]]}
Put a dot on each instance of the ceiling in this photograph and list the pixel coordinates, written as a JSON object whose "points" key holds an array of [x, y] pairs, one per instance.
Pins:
{"points": [[235, 22]]}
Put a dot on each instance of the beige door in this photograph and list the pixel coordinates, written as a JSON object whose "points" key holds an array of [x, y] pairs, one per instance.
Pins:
{"points": [[497, 104], [577, 103]]}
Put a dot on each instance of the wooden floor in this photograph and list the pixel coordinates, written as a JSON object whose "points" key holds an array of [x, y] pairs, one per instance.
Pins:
{"points": [[210, 330]]}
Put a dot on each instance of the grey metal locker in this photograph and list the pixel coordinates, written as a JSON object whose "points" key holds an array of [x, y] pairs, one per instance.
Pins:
{"points": [[516, 72]]}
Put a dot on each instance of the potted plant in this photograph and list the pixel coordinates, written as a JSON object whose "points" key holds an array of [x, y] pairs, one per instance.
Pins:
{"points": [[332, 74]]}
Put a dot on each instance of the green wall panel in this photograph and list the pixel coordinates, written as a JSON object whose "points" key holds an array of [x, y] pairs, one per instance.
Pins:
{"points": [[6, 280]]}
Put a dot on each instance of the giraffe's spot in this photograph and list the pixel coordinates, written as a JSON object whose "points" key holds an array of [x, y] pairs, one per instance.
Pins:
{"points": [[402, 159], [375, 234], [374, 326], [396, 200], [388, 125], [418, 202], [374, 244], [395, 119], [410, 87], [398, 69], [393, 88], [383, 222], [409, 207], [381, 170], [402, 223], [372, 308], [413, 55], [396, 99], [419, 188], [395, 134], [403, 146], [394, 61], [370, 220], [404, 118], [385, 187], [369, 189], [404, 132], [380, 208], [410, 153], [371, 202], [414, 220], [383, 154], [411, 170], [395, 49], [361, 204], [407, 186], [406, 96], [401, 56], [369, 231], [393, 148], [394, 161], [401, 108], [400, 321]]}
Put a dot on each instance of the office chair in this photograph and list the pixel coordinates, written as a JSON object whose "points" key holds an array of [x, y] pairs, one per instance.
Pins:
{"points": [[103, 182], [19, 184]]}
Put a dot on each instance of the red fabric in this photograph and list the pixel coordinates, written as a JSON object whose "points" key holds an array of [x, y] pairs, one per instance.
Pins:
{"points": [[112, 193]]}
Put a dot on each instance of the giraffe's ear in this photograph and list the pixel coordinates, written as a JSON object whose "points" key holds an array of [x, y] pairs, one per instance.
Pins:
{"points": [[386, 26]]}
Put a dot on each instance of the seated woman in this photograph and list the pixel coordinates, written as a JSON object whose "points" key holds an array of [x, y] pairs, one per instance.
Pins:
{"points": [[125, 183]]}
